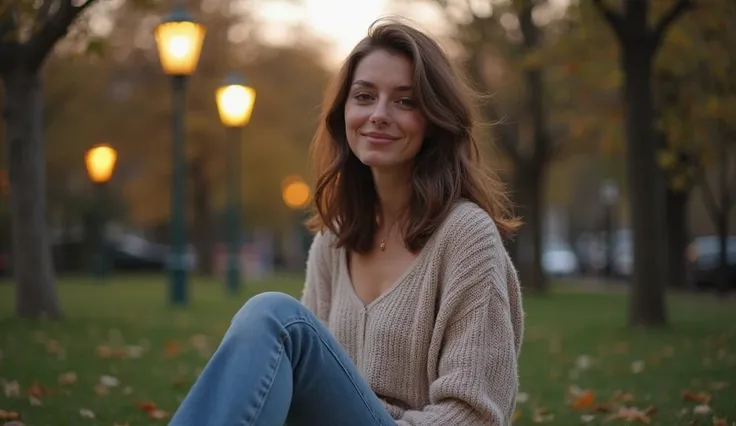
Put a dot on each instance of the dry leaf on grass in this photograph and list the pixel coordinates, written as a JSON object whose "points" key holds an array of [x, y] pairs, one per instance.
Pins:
{"points": [[150, 408], [12, 389], [171, 348], [583, 400], [9, 415], [699, 397], [542, 415], [633, 414], [702, 409], [87, 414], [68, 378]]}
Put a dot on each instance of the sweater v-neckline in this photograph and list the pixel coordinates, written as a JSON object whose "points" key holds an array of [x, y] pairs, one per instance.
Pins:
{"points": [[345, 267], [345, 271]]}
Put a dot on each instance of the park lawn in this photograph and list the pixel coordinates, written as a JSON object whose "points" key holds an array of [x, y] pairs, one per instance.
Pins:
{"points": [[151, 353]]}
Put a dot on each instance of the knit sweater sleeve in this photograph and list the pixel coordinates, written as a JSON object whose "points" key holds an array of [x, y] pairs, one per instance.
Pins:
{"points": [[317, 291], [481, 322]]}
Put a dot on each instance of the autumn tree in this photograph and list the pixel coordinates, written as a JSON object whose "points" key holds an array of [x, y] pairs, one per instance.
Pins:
{"points": [[696, 100], [639, 42], [28, 32]]}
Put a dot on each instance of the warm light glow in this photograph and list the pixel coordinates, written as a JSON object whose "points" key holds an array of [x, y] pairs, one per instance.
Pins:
{"points": [[295, 192], [100, 162], [179, 45], [235, 104]]}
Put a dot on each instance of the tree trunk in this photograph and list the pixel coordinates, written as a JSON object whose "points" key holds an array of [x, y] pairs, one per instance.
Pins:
{"points": [[529, 247], [647, 302], [36, 294], [203, 233], [677, 238]]}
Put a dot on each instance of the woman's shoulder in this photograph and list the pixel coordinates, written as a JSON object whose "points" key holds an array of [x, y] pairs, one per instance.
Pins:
{"points": [[466, 222]]}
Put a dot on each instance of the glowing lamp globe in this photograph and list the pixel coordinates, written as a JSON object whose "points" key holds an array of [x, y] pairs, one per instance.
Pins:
{"points": [[179, 41], [235, 101], [100, 161]]}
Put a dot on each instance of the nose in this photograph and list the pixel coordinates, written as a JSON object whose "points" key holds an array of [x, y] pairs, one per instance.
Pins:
{"points": [[380, 114]]}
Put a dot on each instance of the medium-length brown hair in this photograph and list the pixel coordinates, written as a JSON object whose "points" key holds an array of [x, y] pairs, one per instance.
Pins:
{"points": [[447, 168]]}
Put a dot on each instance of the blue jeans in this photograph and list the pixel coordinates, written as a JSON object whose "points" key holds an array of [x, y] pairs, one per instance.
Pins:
{"points": [[277, 364]]}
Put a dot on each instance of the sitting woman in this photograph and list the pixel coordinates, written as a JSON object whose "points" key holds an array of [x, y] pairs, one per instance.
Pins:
{"points": [[411, 312]]}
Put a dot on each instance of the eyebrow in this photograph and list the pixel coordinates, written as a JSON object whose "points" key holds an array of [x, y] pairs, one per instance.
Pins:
{"points": [[368, 84]]}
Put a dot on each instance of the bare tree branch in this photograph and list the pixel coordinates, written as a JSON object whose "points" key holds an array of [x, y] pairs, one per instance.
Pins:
{"points": [[677, 10], [614, 19], [52, 31]]}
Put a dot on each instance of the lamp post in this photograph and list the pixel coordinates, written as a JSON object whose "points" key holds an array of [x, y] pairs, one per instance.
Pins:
{"points": [[235, 100], [296, 195], [100, 162], [179, 42], [609, 197]]}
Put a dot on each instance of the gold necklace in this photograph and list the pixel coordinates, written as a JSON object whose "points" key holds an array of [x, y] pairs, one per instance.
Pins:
{"points": [[382, 246]]}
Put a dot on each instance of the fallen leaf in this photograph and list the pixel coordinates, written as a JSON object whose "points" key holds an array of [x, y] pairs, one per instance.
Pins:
{"points": [[9, 415], [127, 390], [109, 381], [87, 414], [700, 397], [621, 396], [68, 378], [134, 351], [14, 423], [36, 389], [637, 366], [587, 418], [100, 389], [701, 409], [583, 362], [158, 414], [516, 416], [12, 389], [542, 415], [171, 348], [631, 414], [584, 400], [34, 401], [718, 421], [147, 406]]}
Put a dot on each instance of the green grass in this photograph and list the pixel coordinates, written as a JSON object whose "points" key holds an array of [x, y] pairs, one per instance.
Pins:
{"points": [[697, 353]]}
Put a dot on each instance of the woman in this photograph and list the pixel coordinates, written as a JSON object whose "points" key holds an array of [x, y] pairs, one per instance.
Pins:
{"points": [[411, 313]]}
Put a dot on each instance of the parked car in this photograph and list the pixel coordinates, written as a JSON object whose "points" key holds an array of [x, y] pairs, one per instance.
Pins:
{"points": [[703, 255], [558, 259]]}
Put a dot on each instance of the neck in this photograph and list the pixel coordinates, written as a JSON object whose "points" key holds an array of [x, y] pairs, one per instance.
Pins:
{"points": [[394, 190]]}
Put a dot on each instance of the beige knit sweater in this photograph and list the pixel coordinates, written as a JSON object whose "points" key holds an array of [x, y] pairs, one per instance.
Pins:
{"points": [[441, 346]]}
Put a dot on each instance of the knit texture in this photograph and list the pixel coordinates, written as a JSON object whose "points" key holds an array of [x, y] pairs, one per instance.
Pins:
{"points": [[441, 346]]}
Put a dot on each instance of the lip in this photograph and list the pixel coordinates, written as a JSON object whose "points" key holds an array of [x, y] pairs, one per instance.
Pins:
{"points": [[378, 137]]}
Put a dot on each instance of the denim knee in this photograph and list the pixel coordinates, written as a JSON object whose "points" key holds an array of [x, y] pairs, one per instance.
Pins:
{"points": [[267, 306]]}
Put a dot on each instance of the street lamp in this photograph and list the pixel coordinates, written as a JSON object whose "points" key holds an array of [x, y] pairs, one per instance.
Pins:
{"points": [[179, 42], [100, 162], [609, 198], [235, 100]]}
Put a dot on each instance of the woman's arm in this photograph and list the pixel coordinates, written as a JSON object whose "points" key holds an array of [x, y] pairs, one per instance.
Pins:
{"points": [[480, 319], [317, 292]]}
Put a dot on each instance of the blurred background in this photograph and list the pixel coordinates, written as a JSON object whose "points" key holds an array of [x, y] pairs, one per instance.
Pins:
{"points": [[137, 145]]}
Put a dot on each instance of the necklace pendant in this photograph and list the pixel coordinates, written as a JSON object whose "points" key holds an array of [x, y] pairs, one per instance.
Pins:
{"points": [[383, 245]]}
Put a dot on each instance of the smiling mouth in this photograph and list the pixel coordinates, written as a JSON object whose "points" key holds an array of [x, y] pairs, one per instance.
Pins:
{"points": [[379, 138]]}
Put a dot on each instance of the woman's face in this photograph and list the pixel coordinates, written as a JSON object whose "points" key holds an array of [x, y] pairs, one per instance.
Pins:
{"points": [[384, 126]]}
